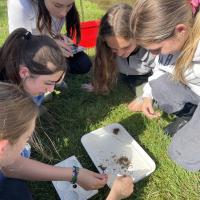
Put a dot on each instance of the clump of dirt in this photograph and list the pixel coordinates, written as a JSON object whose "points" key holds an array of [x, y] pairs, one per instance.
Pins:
{"points": [[123, 161], [102, 167], [116, 131]]}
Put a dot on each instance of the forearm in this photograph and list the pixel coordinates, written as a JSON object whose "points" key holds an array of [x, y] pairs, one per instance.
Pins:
{"points": [[112, 196], [28, 169]]}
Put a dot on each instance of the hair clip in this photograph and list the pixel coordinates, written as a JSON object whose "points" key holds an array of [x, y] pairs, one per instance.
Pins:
{"points": [[195, 5], [27, 35]]}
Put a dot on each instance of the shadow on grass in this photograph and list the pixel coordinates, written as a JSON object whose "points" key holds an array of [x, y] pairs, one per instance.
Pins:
{"points": [[70, 115], [167, 117], [73, 113], [136, 125]]}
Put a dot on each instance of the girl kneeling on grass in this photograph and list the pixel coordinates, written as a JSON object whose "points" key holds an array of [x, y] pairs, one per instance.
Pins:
{"points": [[36, 64], [47, 17], [17, 121], [170, 28], [117, 52]]}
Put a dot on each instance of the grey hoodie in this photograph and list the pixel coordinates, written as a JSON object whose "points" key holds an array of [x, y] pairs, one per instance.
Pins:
{"points": [[140, 63], [166, 63]]}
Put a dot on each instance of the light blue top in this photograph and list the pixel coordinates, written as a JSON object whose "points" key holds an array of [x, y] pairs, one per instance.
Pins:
{"points": [[38, 99]]}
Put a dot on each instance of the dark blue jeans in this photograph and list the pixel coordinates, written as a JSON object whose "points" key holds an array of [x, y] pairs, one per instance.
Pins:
{"points": [[80, 63], [14, 189]]}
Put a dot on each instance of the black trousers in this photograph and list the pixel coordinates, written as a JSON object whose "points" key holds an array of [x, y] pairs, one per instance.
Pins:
{"points": [[14, 189], [135, 80], [80, 63]]}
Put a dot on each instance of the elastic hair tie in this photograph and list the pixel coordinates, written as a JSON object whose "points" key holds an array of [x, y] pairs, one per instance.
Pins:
{"points": [[27, 35]]}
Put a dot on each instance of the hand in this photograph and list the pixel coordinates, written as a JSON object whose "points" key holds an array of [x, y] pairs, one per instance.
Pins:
{"points": [[88, 87], [122, 188], [65, 44], [90, 180], [148, 110], [136, 105]]}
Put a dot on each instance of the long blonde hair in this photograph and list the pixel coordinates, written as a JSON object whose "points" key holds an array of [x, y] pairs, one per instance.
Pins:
{"points": [[153, 21], [114, 23], [17, 112]]}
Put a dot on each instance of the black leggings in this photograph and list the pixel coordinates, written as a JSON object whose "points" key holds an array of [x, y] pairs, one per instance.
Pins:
{"points": [[80, 63], [14, 189]]}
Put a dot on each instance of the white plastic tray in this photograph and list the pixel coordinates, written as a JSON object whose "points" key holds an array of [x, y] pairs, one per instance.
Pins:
{"points": [[105, 148], [65, 189]]}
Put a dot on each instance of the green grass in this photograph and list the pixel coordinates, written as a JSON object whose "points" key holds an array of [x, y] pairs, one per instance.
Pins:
{"points": [[89, 10], [3, 21], [74, 113]]}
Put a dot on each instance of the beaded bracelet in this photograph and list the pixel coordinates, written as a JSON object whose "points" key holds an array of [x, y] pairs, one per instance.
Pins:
{"points": [[75, 172]]}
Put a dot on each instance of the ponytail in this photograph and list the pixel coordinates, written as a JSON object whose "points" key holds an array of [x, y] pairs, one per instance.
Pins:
{"points": [[23, 48], [10, 56]]}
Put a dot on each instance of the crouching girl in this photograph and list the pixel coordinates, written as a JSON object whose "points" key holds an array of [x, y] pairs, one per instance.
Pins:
{"points": [[17, 121]]}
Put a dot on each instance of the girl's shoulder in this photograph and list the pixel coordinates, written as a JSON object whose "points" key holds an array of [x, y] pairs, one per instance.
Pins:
{"points": [[25, 6]]}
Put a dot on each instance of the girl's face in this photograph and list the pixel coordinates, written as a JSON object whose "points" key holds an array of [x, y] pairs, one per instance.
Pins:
{"points": [[39, 84], [120, 46], [58, 8], [10, 152], [168, 46], [172, 44]]}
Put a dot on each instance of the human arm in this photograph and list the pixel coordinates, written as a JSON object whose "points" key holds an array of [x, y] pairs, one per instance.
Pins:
{"points": [[65, 44], [28, 169], [20, 15], [192, 74], [88, 87], [144, 103], [121, 189], [147, 108]]}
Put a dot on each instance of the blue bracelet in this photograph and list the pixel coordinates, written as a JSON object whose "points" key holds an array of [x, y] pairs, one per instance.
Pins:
{"points": [[75, 171]]}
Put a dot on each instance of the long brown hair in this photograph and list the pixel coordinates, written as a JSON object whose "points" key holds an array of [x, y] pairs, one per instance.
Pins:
{"points": [[114, 23], [17, 112], [153, 21], [23, 48], [72, 20]]}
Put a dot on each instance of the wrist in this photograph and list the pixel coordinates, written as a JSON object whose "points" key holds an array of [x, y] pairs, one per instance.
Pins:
{"points": [[75, 172], [147, 99], [113, 196]]}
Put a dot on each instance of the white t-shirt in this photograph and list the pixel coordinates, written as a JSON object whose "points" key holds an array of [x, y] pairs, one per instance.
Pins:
{"points": [[24, 13]]}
